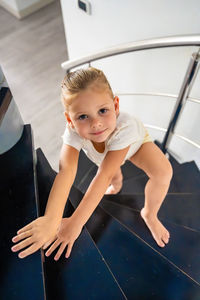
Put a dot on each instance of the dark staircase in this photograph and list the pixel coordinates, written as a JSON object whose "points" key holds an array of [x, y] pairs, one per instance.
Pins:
{"points": [[115, 256], [19, 278]]}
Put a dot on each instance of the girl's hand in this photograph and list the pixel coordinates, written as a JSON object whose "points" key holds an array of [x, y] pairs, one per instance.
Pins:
{"points": [[35, 235], [68, 233]]}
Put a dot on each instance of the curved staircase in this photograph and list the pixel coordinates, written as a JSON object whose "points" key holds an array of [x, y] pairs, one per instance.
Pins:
{"points": [[115, 256]]}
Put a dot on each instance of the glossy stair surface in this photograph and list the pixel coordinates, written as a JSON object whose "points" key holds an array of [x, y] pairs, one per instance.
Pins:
{"points": [[115, 256], [20, 278], [130, 262], [186, 178], [84, 275], [142, 270]]}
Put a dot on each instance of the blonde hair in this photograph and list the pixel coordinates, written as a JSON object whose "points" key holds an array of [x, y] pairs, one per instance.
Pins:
{"points": [[80, 80]]}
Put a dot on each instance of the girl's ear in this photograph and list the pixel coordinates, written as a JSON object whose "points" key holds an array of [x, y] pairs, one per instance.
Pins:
{"points": [[68, 119], [116, 104]]}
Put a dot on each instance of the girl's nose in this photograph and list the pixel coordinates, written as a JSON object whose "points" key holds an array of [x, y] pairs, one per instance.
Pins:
{"points": [[96, 123]]}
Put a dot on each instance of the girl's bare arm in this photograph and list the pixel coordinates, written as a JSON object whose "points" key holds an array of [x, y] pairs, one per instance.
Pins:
{"points": [[71, 227], [62, 183], [99, 184]]}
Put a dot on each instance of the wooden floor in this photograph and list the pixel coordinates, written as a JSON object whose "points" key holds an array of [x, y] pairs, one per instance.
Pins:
{"points": [[31, 51]]}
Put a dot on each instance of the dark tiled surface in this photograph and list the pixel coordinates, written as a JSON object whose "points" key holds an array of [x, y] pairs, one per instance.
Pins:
{"points": [[17, 163], [84, 275], [84, 166], [182, 209], [20, 278], [61, 277], [45, 179], [137, 185], [86, 179], [186, 177], [141, 272], [152, 272], [184, 245], [87, 170], [128, 263]]}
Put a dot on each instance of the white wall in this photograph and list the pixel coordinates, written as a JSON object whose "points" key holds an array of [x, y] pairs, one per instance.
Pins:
{"points": [[12, 4], [19, 4], [114, 22], [23, 8], [22, 4]]}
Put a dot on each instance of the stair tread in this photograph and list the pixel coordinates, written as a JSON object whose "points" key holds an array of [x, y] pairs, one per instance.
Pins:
{"points": [[125, 267], [76, 277], [181, 209], [185, 179], [21, 277], [84, 164], [62, 276], [134, 179], [130, 259], [182, 249]]}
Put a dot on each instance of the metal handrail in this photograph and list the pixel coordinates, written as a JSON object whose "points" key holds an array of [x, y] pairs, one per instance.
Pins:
{"points": [[175, 134], [164, 42], [191, 99], [186, 87]]}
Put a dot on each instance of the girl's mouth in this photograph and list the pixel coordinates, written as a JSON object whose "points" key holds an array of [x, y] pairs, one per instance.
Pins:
{"points": [[99, 132]]}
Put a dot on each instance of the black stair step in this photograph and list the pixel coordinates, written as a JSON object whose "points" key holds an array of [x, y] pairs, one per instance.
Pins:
{"points": [[182, 249], [137, 185], [78, 270], [134, 185], [87, 170], [186, 179], [187, 174], [21, 278], [45, 179], [84, 275], [129, 171], [86, 179], [140, 270], [84, 165], [181, 209]]}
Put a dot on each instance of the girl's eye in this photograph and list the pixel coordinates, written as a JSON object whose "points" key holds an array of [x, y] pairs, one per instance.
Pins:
{"points": [[82, 117], [103, 110]]}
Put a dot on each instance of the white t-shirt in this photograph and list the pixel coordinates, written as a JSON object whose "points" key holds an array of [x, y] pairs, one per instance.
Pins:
{"points": [[129, 131]]}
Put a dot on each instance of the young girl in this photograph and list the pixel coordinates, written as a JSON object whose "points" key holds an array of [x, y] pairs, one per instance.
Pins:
{"points": [[109, 138]]}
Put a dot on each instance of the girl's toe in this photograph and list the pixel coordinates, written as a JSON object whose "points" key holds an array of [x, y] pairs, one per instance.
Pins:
{"points": [[165, 239]]}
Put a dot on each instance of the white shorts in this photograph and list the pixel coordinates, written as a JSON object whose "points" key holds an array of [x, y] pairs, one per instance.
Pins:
{"points": [[135, 147]]}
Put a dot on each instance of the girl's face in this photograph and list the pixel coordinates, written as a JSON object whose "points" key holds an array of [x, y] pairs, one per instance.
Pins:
{"points": [[93, 115]]}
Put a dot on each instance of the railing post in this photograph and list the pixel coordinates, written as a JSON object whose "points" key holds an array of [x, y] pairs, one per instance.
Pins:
{"points": [[182, 98]]}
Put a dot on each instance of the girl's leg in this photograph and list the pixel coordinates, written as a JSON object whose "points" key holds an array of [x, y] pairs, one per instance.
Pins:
{"points": [[116, 183], [153, 162]]}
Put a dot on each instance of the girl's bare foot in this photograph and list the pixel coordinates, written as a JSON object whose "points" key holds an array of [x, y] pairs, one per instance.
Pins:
{"points": [[116, 184], [158, 231]]}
